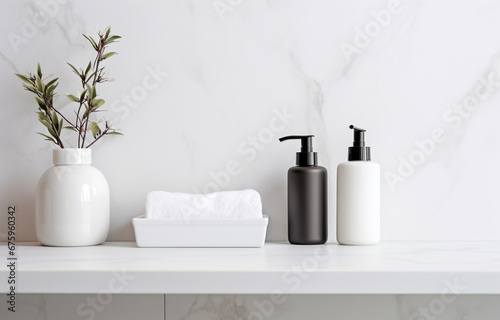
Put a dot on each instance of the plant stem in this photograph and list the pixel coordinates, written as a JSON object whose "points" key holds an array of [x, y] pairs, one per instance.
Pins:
{"points": [[62, 116], [86, 128], [100, 50], [96, 63], [81, 123], [50, 107], [99, 137]]}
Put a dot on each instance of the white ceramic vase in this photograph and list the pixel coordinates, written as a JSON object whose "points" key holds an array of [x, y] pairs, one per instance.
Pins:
{"points": [[72, 201]]}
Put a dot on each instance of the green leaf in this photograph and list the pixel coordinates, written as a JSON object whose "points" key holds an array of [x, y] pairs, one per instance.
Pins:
{"points": [[45, 123], [88, 68], [114, 132], [96, 103], [47, 137], [86, 113], [70, 128], [72, 98], [50, 86], [60, 127], [51, 82], [39, 70], [94, 127], [107, 55], [82, 96], [41, 103], [89, 77], [30, 88], [108, 30], [75, 70], [49, 127], [41, 115], [53, 133], [50, 90], [93, 92], [24, 78], [55, 120], [112, 39], [38, 84], [92, 42]]}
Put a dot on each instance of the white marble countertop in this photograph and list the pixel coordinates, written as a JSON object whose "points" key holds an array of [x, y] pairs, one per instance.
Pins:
{"points": [[387, 268]]}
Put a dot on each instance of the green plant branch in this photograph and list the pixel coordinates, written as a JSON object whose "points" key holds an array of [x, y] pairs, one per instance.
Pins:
{"points": [[100, 48], [87, 101], [49, 105], [59, 141], [86, 126], [99, 137], [78, 119], [48, 102]]}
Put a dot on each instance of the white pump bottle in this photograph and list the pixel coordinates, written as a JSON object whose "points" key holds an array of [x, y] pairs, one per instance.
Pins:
{"points": [[358, 195]]}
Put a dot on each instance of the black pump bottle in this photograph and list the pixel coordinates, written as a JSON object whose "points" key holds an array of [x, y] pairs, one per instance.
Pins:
{"points": [[307, 196]]}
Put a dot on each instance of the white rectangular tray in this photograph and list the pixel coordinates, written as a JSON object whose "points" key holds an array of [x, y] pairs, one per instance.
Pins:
{"points": [[200, 233]]}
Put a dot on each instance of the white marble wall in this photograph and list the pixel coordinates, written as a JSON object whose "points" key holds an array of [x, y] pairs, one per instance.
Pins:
{"points": [[201, 83]]}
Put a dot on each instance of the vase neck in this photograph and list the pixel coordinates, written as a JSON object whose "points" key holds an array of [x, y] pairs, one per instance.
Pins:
{"points": [[72, 156]]}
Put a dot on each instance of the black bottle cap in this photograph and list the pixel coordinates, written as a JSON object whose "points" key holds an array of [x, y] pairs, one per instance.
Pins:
{"points": [[359, 151], [306, 157]]}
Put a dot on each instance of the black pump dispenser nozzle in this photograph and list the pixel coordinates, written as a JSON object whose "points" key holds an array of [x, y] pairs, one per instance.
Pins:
{"points": [[359, 151], [306, 157]]}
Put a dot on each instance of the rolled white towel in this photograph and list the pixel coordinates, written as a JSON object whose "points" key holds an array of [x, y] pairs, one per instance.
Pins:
{"points": [[244, 204]]}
